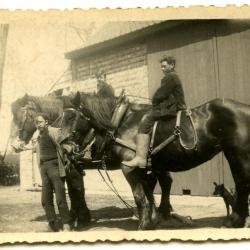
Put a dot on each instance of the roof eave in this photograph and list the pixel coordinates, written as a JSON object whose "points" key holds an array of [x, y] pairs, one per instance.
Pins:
{"points": [[87, 51]]}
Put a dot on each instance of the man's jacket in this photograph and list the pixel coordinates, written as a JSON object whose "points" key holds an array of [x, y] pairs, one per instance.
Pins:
{"points": [[54, 134], [169, 97], [105, 90]]}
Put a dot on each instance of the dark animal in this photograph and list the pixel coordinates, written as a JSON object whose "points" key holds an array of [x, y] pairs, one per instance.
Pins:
{"points": [[24, 111], [228, 198], [221, 125]]}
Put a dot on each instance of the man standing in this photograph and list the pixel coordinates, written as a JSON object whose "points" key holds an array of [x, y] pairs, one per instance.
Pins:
{"points": [[103, 88], [52, 171], [167, 101]]}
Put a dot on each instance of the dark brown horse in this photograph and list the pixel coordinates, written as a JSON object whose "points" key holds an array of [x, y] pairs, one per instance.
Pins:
{"points": [[24, 111], [222, 125]]}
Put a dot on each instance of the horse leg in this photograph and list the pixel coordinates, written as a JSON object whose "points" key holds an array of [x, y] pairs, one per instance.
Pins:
{"points": [[240, 209], [149, 186], [134, 178], [79, 210], [165, 181]]}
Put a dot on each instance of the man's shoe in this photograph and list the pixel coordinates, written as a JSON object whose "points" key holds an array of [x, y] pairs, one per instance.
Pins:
{"points": [[137, 162], [53, 226], [142, 145], [66, 228]]}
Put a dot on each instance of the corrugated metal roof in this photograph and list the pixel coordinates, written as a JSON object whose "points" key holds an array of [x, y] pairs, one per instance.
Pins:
{"points": [[112, 31]]}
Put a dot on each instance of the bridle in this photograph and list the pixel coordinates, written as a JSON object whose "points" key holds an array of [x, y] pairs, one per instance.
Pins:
{"points": [[27, 114], [78, 114]]}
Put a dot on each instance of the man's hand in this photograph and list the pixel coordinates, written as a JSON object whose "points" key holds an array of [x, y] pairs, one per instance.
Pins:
{"points": [[18, 146]]}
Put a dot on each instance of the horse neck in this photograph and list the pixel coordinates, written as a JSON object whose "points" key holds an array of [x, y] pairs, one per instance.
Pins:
{"points": [[133, 116], [99, 109], [48, 105]]}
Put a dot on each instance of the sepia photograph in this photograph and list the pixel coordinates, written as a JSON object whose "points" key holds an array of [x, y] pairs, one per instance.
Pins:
{"points": [[116, 126]]}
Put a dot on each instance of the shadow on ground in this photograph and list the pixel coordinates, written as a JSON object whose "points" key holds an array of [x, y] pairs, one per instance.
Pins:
{"points": [[122, 218], [207, 222], [39, 218]]}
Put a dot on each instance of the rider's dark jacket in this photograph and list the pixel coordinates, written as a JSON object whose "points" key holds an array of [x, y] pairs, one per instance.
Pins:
{"points": [[105, 90], [169, 97]]}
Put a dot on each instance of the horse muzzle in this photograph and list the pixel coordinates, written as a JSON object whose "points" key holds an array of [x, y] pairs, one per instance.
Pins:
{"points": [[70, 148]]}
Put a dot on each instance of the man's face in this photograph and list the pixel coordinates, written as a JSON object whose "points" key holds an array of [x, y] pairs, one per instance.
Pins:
{"points": [[41, 123], [101, 78], [166, 67]]}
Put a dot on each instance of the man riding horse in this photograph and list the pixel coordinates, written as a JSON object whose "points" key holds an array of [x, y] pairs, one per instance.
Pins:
{"points": [[103, 88], [167, 100]]}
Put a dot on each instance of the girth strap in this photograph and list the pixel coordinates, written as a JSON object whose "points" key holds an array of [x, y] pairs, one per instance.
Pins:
{"points": [[164, 144]]}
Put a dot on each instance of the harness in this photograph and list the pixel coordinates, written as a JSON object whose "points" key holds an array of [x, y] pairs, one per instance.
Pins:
{"points": [[176, 134], [152, 151]]}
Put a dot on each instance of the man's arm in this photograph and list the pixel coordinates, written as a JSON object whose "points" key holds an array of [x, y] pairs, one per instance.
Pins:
{"points": [[31, 145], [33, 141], [167, 86]]}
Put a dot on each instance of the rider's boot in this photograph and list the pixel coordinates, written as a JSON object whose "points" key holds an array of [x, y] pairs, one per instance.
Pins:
{"points": [[142, 146]]}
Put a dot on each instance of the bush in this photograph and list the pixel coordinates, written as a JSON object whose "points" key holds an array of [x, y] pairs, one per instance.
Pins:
{"points": [[9, 174]]}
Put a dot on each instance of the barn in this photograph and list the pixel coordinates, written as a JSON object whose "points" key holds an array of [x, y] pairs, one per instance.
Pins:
{"points": [[212, 61]]}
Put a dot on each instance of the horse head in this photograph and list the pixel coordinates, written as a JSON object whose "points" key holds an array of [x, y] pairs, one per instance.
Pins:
{"points": [[74, 122], [24, 111]]}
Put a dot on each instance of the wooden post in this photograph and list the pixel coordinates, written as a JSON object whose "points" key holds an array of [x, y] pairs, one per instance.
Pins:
{"points": [[3, 41]]}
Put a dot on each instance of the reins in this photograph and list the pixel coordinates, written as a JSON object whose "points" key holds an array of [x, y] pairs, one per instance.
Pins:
{"points": [[112, 187], [109, 183]]}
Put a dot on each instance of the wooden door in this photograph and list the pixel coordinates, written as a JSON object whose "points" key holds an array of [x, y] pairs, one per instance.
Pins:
{"points": [[193, 46], [233, 50]]}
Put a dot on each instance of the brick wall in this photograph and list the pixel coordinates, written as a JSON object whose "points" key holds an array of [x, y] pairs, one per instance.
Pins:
{"points": [[126, 67]]}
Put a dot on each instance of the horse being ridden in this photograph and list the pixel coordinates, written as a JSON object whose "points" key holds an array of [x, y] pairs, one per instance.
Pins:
{"points": [[221, 125]]}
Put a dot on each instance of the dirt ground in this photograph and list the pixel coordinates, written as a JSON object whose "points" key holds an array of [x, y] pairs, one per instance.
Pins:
{"points": [[21, 211]]}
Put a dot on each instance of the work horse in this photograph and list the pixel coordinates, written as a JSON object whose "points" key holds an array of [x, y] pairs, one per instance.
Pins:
{"points": [[24, 111], [220, 125]]}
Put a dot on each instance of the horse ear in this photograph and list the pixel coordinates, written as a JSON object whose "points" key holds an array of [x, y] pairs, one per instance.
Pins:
{"points": [[76, 101], [25, 98], [215, 184]]}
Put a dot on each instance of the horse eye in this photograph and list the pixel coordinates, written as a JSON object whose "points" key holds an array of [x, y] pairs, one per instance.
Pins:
{"points": [[71, 117]]}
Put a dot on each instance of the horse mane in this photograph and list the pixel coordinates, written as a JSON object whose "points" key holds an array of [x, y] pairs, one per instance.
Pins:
{"points": [[16, 105], [52, 106], [99, 109]]}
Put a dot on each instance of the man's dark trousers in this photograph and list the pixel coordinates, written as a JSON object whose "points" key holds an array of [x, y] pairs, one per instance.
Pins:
{"points": [[51, 180]]}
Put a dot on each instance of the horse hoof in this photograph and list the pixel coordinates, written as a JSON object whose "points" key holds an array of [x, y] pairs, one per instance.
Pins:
{"points": [[165, 212], [146, 226], [234, 221], [247, 222]]}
